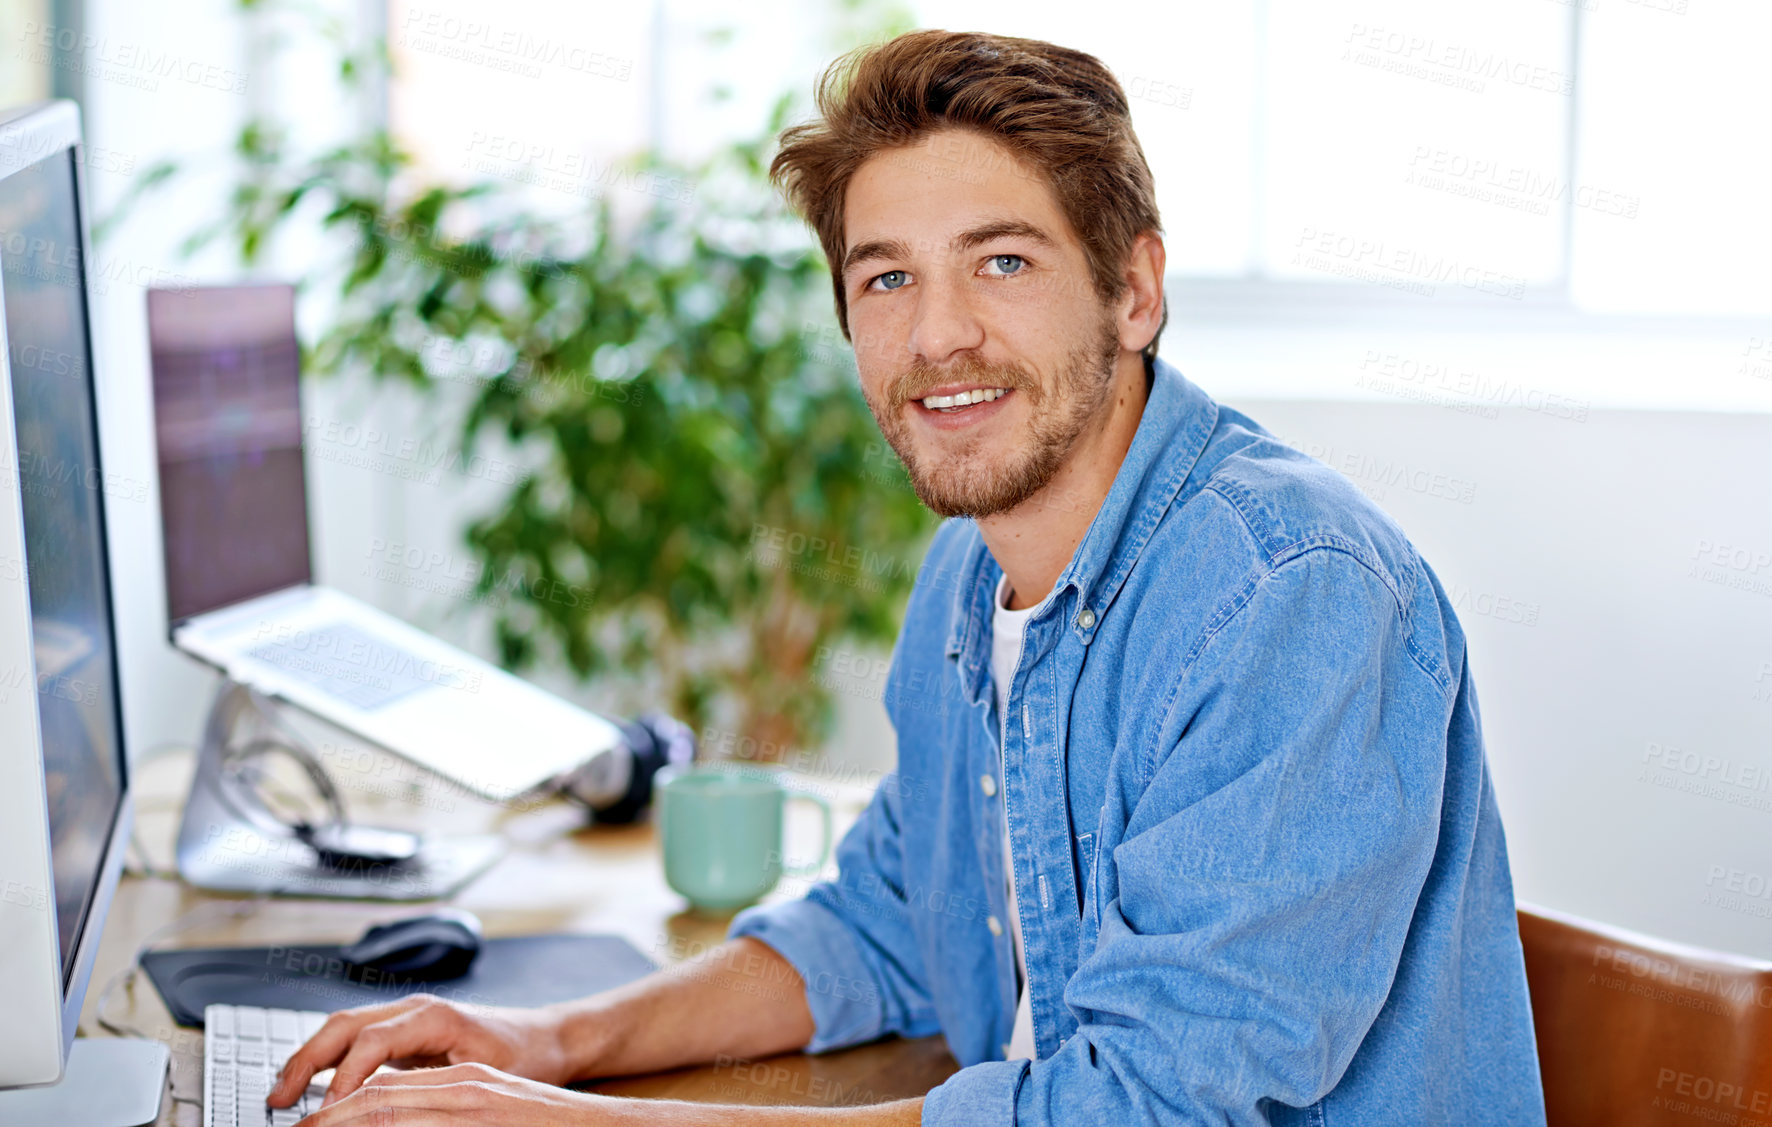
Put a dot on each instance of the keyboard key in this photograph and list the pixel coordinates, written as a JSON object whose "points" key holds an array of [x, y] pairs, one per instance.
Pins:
{"points": [[221, 1051], [311, 1023], [249, 1023], [285, 1026], [219, 1020]]}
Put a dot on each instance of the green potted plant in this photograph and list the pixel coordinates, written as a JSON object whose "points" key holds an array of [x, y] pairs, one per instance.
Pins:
{"points": [[710, 503]]}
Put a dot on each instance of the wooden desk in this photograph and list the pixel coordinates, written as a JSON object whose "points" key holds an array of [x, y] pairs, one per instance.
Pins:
{"points": [[558, 876]]}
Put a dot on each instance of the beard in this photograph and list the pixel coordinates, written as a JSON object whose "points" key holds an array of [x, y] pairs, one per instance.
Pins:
{"points": [[964, 477]]}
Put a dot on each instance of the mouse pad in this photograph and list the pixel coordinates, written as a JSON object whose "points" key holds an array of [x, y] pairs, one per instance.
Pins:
{"points": [[519, 971]]}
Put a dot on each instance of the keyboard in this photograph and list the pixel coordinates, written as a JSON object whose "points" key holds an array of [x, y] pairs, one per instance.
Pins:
{"points": [[243, 1047], [352, 665]]}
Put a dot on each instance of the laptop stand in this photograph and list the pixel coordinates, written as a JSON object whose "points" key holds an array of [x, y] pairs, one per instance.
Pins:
{"points": [[231, 841]]}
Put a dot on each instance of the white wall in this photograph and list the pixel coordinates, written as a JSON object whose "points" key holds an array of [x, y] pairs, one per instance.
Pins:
{"points": [[137, 118]]}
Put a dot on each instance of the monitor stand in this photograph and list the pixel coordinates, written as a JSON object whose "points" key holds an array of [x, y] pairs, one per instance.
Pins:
{"points": [[109, 1082], [222, 849]]}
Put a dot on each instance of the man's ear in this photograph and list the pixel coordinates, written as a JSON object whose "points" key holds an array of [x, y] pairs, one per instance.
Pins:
{"points": [[1140, 315]]}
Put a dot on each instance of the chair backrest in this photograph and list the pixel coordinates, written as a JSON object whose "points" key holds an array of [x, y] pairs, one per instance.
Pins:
{"points": [[1635, 1030]]}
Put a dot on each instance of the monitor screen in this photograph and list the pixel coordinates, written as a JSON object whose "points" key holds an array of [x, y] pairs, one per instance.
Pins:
{"points": [[227, 411], [64, 493]]}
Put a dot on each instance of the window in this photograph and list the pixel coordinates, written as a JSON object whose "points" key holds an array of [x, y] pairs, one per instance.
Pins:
{"points": [[1604, 154]]}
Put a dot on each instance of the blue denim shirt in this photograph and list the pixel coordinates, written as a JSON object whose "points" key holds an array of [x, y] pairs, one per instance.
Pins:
{"points": [[1260, 870]]}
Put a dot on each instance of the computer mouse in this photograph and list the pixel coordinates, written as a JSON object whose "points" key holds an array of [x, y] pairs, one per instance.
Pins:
{"points": [[441, 944]]}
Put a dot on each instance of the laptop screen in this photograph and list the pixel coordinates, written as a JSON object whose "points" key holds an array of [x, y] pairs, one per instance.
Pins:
{"points": [[227, 418]]}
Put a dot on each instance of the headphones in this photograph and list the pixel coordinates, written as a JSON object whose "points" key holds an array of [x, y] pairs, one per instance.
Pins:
{"points": [[615, 785]]}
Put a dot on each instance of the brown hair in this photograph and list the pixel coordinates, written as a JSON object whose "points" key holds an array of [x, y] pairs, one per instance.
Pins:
{"points": [[1060, 111]]}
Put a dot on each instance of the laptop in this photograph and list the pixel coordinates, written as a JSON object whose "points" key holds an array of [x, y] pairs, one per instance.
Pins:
{"points": [[240, 593]]}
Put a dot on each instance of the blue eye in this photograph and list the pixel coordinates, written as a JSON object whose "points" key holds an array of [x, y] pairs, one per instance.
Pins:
{"points": [[1003, 261], [899, 274]]}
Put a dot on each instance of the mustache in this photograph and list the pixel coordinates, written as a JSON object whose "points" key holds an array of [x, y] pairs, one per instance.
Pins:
{"points": [[921, 379]]}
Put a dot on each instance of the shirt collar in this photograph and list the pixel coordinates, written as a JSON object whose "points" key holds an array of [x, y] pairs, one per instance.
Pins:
{"points": [[1178, 419]]}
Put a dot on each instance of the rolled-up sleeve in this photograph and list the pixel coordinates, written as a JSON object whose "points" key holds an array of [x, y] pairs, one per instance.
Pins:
{"points": [[1255, 913], [851, 940]]}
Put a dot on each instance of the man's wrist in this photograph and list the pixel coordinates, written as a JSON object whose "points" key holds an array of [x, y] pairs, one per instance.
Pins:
{"points": [[586, 1034]]}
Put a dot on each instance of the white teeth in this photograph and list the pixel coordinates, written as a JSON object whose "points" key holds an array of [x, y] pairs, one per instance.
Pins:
{"points": [[965, 398]]}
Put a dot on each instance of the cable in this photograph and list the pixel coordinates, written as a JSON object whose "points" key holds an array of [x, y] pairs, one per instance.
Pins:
{"points": [[126, 976], [147, 868], [243, 787], [240, 773], [140, 759]]}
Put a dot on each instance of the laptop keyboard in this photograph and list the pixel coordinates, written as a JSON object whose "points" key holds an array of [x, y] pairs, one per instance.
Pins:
{"points": [[243, 1047], [353, 666]]}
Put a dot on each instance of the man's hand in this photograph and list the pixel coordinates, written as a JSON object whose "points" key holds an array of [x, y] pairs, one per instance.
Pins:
{"points": [[426, 1030], [738, 999], [456, 1096]]}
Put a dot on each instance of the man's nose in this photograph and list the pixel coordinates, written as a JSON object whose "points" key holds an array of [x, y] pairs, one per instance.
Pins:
{"points": [[945, 322]]}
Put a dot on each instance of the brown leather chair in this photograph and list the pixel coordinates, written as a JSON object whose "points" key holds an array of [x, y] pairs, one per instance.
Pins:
{"points": [[1633, 1030]]}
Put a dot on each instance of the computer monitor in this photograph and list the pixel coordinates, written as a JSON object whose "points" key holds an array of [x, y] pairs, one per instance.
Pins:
{"points": [[64, 775]]}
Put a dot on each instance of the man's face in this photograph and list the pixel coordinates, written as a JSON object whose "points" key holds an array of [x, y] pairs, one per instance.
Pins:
{"points": [[963, 277]]}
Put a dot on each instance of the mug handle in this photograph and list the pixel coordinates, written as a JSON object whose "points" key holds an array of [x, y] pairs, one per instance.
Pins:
{"points": [[824, 850]]}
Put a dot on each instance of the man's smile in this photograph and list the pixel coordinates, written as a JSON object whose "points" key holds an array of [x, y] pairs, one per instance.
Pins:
{"points": [[956, 411]]}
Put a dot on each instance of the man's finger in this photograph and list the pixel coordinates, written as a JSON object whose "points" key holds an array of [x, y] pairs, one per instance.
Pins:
{"points": [[380, 1103], [432, 1077], [422, 1031], [327, 1045]]}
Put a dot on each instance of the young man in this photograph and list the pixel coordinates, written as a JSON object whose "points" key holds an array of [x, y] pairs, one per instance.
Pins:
{"points": [[1192, 822]]}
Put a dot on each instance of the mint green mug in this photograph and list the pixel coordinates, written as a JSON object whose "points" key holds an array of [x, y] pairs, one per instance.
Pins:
{"points": [[721, 829]]}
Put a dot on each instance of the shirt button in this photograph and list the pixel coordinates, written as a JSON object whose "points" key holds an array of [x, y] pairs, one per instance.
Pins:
{"points": [[995, 925], [1086, 619], [988, 785]]}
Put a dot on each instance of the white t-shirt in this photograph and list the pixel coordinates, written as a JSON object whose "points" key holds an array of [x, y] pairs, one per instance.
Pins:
{"points": [[1007, 628]]}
